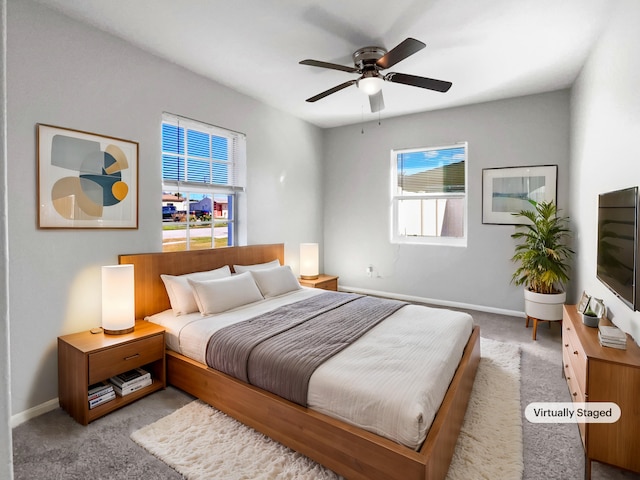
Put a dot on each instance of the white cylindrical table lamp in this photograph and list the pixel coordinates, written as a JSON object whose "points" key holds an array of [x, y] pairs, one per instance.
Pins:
{"points": [[118, 299], [309, 261]]}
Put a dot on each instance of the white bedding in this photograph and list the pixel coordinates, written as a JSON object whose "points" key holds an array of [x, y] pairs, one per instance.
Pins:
{"points": [[397, 374]]}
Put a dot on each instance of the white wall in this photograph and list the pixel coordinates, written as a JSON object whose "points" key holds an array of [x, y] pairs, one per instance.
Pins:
{"points": [[531, 130], [605, 111], [64, 73]]}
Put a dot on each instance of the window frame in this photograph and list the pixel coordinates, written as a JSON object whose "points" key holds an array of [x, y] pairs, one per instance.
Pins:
{"points": [[395, 199], [235, 174]]}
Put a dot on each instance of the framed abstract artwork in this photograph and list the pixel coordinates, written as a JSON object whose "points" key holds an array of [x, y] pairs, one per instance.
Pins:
{"points": [[86, 180], [506, 191]]}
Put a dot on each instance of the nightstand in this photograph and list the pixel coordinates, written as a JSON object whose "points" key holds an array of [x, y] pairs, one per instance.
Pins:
{"points": [[85, 358], [326, 282]]}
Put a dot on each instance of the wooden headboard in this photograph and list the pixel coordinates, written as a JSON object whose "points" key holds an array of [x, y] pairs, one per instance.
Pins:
{"points": [[151, 296]]}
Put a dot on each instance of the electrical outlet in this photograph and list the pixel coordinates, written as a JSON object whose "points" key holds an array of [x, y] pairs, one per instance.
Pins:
{"points": [[369, 271]]}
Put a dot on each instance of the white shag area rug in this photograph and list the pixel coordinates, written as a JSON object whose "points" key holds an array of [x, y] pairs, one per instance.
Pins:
{"points": [[202, 443]]}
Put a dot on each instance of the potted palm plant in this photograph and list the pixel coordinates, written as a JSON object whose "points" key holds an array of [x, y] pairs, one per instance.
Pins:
{"points": [[543, 256]]}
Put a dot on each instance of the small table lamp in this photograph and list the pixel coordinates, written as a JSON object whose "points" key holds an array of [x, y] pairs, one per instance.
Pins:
{"points": [[309, 261], [118, 300]]}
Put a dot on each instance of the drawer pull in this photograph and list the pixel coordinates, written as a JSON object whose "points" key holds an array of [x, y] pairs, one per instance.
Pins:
{"points": [[131, 357], [566, 345], [575, 394], [575, 352]]}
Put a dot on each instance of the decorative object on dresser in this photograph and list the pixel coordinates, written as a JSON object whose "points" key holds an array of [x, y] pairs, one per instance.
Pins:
{"points": [[86, 359], [326, 282], [613, 337], [593, 312], [598, 374], [543, 261], [118, 302], [309, 261]]}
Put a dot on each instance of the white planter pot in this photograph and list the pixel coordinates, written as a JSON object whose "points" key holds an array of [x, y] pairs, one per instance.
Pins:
{"points": [[544, 306]]}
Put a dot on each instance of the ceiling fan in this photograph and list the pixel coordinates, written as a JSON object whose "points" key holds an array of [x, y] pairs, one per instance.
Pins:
{"points": [[369, 61]]}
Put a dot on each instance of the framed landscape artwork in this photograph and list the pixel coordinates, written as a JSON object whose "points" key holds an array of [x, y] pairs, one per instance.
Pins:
{"points": [[506, 191], [86, 180]]}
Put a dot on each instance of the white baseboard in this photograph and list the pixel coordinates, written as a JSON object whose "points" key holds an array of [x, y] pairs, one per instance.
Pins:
{"points": [[432, 301], [33, 412]]}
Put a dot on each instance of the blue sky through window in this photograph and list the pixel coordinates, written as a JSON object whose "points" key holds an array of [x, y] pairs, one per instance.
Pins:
{"points": [[421, 161]]}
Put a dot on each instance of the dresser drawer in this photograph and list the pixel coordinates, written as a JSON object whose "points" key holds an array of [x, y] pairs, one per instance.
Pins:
{"points": [[577, 395], [116, 360], [573, 354], [573, 380]]}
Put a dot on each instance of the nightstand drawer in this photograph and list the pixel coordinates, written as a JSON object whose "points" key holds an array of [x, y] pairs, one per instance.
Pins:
{"points": [[328, 284], [113, 361]]}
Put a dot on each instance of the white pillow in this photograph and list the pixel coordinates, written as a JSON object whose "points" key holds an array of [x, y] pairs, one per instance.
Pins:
{"points": [[257, 266], [217, 296], [276, 281], [180, 292]]}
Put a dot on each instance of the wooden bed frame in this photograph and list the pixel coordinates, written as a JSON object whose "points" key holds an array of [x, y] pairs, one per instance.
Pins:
{"points": [[349, 451]]}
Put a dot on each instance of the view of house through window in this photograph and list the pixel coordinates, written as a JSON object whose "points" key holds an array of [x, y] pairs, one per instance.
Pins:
{"points": [[429, 200], [202, 174]]}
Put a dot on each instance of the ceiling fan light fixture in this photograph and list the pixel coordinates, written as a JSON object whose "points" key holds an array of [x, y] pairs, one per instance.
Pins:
{"points": [[370, 85]]}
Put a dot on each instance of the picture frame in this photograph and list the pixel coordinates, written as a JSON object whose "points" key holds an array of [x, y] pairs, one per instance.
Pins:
{"points": [[86, 180], [507, 190], [583, 303]]}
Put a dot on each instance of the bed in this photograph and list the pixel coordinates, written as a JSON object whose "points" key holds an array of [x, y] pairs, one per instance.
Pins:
{"points": [[342, 446]]}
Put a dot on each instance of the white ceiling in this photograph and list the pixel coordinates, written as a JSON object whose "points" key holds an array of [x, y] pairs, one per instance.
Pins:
{"points": [[489, 49]]}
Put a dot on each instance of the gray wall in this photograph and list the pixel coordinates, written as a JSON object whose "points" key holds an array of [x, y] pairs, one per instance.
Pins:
{"points": [[64, 73], [605, 150], [6, 469], [531, 130]]}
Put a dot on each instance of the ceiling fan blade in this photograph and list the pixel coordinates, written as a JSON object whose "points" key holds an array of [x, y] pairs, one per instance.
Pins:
{"points": [[376, 101], [403, 50], [415, 81], [333, 66], [330, 91]]}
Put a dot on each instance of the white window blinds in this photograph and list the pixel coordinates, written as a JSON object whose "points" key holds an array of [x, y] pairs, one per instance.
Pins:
{"points": [[195, 154]]}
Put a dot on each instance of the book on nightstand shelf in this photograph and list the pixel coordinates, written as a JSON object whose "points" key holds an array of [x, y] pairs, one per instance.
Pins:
{"points": [[100, 393], [133, 387], [613, 337], [129, 382]]}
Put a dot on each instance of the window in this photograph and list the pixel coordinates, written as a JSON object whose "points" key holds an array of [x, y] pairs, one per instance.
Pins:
{"points": [[428, 195], [203, 176]]}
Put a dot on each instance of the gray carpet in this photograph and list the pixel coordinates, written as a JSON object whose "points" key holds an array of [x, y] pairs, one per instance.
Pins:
{"points": [[53, 446]]}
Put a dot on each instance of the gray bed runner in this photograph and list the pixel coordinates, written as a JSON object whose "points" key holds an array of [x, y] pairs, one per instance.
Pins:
{"points": [[280, 350]]}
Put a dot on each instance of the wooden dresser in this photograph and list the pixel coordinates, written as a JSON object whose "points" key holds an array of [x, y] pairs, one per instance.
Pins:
{"points": [[601, 374]]}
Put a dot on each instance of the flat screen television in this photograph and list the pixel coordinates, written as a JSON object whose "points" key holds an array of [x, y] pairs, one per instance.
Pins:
{"points": [[617, 263]]}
